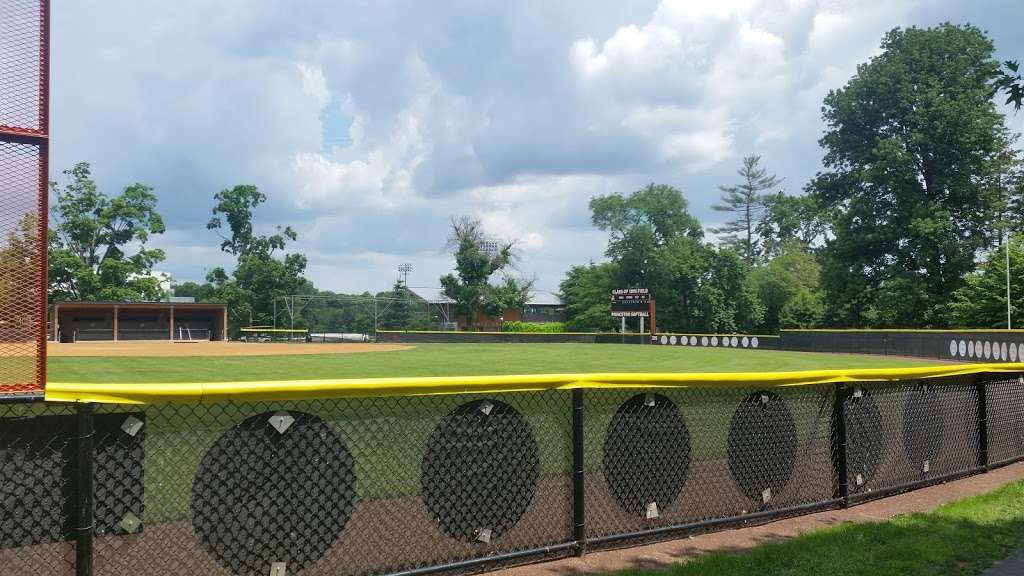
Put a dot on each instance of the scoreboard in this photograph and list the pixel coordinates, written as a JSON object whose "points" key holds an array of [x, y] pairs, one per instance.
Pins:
{"points": [[631, 302]]}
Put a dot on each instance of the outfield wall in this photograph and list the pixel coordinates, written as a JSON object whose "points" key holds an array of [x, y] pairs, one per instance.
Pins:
{"points": [[460, 473], [953, 345], [950, 345]]}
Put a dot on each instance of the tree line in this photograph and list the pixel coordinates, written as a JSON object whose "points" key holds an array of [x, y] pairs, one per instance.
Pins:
{"points": [[906, 225]]}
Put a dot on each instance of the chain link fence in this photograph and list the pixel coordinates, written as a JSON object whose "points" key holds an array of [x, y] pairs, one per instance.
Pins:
{"points": [[461, 482], [24, 124]]}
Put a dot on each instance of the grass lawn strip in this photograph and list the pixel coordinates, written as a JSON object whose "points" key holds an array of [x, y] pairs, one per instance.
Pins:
{"points": [[960, 538]]}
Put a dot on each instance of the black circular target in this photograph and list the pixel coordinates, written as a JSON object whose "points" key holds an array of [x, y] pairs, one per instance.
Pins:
{"points": [[923, 427], [762, 445], [863, 437], [279, 487], [480, 470], [646, 453]]}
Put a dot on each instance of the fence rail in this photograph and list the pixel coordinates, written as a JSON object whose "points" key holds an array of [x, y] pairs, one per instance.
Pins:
{"points": [[414, 476]]}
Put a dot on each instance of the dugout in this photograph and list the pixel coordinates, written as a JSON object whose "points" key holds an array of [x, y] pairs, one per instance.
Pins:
{"points": [[154, 321]]}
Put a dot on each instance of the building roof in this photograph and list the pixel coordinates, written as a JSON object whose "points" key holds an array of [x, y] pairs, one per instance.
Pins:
{"points": [[431, 295], [108, 304], [436, 296], [544, 298]]}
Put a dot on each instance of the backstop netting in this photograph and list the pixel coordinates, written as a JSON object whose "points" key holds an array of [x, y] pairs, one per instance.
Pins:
{"points": [[24, 126], [353, 318]]}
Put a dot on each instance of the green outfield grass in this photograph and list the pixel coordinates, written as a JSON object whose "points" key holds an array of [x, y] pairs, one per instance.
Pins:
{"points": [[456, 360]]}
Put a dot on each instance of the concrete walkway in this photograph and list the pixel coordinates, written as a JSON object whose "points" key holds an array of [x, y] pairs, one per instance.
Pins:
{"points": [[1012, 566], [664, 554]]}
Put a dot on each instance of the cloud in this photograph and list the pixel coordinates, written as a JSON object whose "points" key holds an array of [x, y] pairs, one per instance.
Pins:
{"points": [[369, 125], [701, 80]]}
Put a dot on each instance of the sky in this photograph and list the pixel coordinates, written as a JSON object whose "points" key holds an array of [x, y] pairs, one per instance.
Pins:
{"points": [[369, 124]]}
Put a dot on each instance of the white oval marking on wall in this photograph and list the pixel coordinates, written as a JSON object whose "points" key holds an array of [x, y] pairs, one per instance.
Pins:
{"points": [[745, 341], [753, 342]]}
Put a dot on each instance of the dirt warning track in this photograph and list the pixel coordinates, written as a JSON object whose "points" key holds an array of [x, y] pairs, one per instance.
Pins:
{"points": [[213, 348]]}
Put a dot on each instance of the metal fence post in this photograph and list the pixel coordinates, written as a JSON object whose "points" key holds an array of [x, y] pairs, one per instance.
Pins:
{"points": [[839, 446], [982, 395], [578, 509], [82, 490]]}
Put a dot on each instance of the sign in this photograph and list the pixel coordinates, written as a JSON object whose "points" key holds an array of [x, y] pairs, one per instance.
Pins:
{"points": [[631, 302]]}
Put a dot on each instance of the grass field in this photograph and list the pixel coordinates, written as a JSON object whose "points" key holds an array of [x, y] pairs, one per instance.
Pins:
{"points": [[961, 538], [455, 360]]}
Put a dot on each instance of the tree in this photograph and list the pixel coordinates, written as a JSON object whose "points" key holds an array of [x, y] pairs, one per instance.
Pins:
{"points": [[1009, 81], [98, 243], [655, 243], [1003, 186], [744, 201], [641, 224], [397, 313], [586, 293], [477, 259], [726, 300], [204, 292], [259, 274], [907, 140], [789, 288], [981, 301], [18, 261], [787, 219]]}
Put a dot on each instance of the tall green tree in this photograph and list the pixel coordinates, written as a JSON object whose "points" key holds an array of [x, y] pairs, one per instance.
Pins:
{"points": [[907, 140], [655, 243], [981, 301], [1003, 185], [726, 300], [260, 273], [789, 288], [586, 291], [477, 259], [641, 224], [788, 219], [397, 314], [98, 243], [744, 201]]}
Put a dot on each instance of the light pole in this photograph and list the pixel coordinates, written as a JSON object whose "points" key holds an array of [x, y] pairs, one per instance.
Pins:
{"points": [[1006, 245]]}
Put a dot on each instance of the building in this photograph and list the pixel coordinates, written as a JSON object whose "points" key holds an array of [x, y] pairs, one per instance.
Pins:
{"points": [[113, 321], [541, 307]]}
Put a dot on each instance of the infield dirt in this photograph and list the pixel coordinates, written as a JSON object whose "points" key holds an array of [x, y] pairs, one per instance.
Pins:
{"points": [[144, 348]]}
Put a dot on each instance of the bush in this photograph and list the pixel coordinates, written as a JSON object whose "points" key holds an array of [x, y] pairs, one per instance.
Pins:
{"points": [[549, 327]]}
